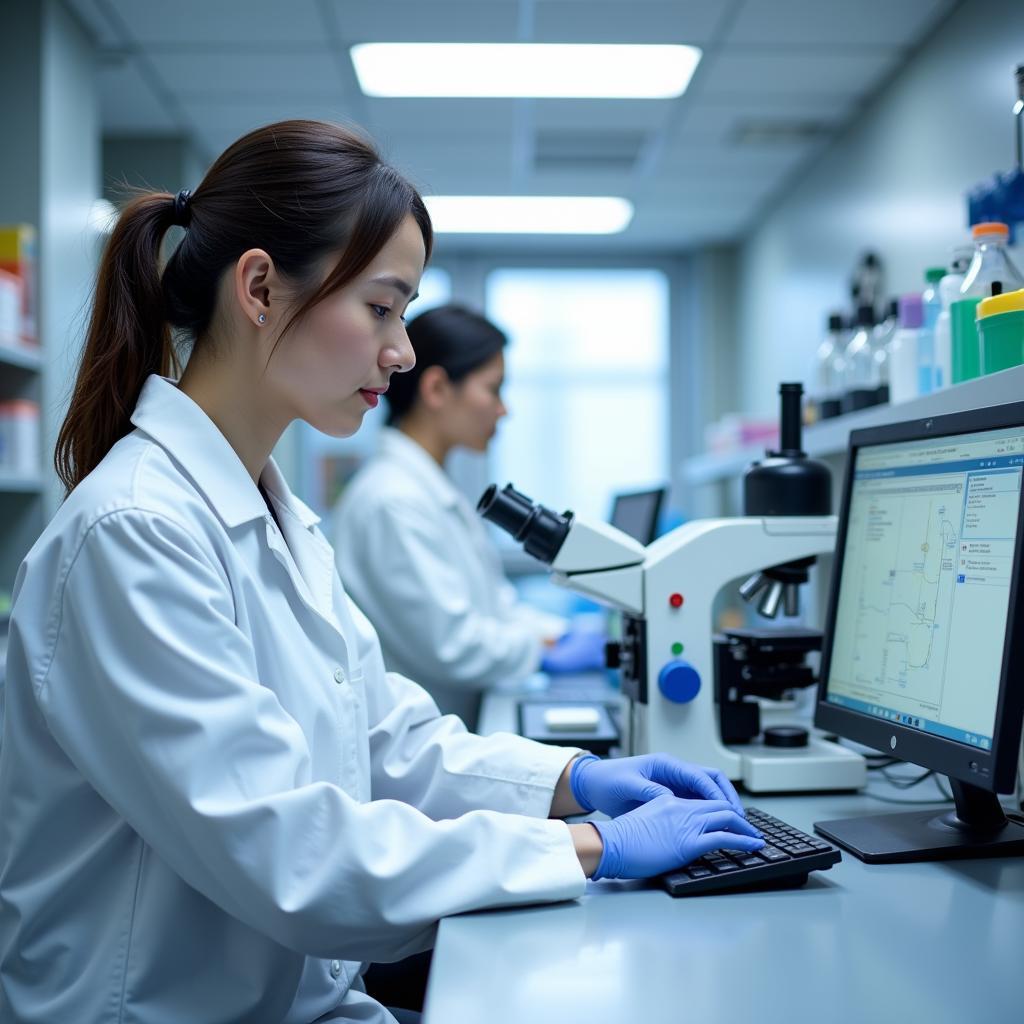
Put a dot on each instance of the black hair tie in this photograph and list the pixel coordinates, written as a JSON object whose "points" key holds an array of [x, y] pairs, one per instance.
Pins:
{"points": [[183, 208]]}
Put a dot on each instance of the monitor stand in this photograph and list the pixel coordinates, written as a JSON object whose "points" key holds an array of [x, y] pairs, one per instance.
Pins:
{"points": [[977, 828]]}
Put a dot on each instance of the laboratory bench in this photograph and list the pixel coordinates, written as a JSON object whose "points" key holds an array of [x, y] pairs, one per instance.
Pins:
{"points": [[858, 944]]}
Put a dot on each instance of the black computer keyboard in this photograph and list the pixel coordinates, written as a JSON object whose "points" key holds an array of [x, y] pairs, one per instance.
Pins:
{"points": [[783, 862]]}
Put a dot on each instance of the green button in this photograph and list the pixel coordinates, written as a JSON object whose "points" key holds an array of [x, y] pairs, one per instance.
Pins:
{"points": [[677, 648]]}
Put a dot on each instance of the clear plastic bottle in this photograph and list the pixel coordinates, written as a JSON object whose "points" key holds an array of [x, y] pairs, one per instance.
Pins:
{"points": [[881, 336], [990, 263], [904, 360], [828, 381], [861, 371], [949, 292], [931, 306]]}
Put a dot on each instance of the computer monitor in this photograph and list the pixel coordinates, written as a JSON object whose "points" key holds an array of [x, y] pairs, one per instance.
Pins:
{"points": [[923, 653], [636, 513]]}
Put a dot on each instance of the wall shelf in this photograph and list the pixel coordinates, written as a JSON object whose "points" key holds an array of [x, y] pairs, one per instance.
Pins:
{"points": [[832, 436], [15, 483], [20, 358]]}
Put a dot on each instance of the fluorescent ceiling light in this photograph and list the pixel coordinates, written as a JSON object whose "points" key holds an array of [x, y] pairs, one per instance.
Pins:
{"points": [[573, 70], [530, 215]]}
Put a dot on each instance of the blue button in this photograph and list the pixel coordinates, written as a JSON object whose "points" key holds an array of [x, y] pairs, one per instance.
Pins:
{"points": [[679, 681]]}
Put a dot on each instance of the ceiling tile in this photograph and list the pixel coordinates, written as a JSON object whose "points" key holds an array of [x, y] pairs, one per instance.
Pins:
{"points": [[732, 163], [718, 119], [239, 75], [128, 105], [640, 21], [417, 21], [426, 118], [796, 71], [592, 115], [221, 123], [205, 23], [813, 22], [99, 27], [453, 167]]}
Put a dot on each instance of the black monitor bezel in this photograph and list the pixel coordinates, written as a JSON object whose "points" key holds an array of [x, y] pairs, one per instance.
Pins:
{"points": [[994, 769], [657, 493]]}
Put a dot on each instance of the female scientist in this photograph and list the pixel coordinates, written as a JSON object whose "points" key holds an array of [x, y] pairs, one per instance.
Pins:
{"points": [[215, 804], [412, 552]]}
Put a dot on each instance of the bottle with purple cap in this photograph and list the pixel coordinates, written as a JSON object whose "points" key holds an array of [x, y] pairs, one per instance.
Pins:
{"points": [[904, 375]]}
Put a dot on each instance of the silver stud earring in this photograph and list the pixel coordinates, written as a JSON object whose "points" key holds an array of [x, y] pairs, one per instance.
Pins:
{"points": [[262, 318]]}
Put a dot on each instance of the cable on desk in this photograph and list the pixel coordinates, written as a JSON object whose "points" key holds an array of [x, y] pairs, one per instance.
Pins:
{"points": [[909, 783]]}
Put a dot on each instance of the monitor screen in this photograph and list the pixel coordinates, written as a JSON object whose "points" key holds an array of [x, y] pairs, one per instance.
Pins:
{"points": [[637, 514], [923, 645], [929, 537]]}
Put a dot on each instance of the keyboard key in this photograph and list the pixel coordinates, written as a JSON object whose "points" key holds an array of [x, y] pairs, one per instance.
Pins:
{"points": [[725, 865], [751, 862], [700, 872], [772, 854]]}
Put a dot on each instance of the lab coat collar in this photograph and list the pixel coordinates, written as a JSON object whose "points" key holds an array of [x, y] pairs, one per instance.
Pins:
{"points": [[274, 483], [412, 457], [181, 427]]}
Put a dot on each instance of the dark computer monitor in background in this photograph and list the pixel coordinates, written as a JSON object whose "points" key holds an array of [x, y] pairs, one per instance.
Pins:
{"points": [[636, 513], [924, 641]]}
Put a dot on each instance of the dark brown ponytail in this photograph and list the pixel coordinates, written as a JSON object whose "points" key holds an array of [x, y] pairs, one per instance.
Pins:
{"points": [[128, 339], [298, 189]]}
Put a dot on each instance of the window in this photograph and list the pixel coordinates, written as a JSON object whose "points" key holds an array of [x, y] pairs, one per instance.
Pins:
{"points": [[587, 383]]}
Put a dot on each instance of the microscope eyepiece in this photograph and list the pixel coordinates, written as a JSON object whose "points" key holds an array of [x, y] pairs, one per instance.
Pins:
{"points": [[541, 531]]}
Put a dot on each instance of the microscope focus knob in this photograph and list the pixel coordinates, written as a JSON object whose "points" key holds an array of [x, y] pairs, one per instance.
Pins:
{"points": [[679, 681]]}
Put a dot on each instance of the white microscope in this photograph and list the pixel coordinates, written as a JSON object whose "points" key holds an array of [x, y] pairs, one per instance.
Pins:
{"points": [[705, 698]]}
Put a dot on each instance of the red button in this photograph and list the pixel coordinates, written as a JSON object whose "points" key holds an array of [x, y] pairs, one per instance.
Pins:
{"points": [[676, 600]]}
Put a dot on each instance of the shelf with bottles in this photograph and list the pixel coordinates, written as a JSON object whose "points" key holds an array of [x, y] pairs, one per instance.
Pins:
{"points": [[831, 437]]}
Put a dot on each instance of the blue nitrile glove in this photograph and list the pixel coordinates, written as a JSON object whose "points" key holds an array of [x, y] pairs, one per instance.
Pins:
{"points": [[668, 832], [579, 650], [621, 784]]}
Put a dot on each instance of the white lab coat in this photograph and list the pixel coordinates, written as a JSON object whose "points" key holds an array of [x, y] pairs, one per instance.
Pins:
{"points": [[214, 801], [417, 560]]}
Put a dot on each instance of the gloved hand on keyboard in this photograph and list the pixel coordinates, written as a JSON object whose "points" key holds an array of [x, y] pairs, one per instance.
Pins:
{"points": [[667, 832], [619, 785], [578, 650]]}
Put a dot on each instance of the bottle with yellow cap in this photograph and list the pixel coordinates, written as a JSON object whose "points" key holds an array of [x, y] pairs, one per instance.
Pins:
{"points": [[991, 272], [1001, 331]]}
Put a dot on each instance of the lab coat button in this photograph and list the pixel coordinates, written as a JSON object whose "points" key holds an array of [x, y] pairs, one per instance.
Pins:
{"points": [[335, 968], [339, 676]]}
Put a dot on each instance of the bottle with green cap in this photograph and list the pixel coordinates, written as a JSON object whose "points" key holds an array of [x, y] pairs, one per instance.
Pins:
{"points": [[931, 305]]}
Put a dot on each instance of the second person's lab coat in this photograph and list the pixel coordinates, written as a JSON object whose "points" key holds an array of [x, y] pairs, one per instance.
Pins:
{"points": [[417, 560]]}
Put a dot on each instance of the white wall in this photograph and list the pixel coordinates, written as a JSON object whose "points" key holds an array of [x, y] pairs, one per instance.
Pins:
{"points": [[894, 182]]}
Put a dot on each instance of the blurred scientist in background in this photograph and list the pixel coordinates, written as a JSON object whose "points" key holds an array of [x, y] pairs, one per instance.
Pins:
{"points": [[413, 553]]}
